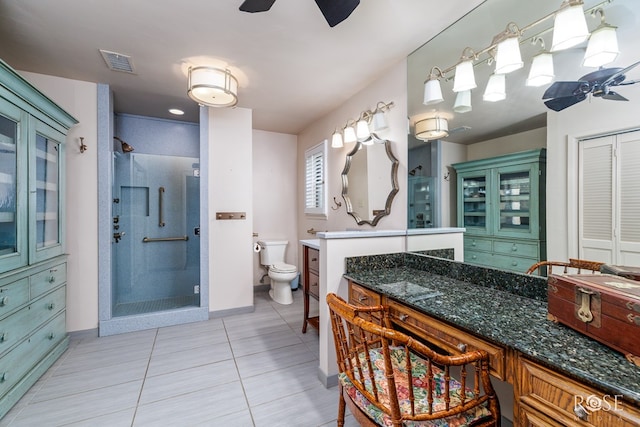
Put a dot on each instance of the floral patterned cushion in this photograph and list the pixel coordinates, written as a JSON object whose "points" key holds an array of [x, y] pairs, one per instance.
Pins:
{"points": [[420, 380]]}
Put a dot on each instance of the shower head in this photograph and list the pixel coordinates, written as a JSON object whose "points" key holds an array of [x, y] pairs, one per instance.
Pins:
{"points": [[126, 148]]}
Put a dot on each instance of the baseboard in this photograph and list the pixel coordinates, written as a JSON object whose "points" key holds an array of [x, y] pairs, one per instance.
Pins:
{"points": [[231, 312], [327, 381], [261, 288]]}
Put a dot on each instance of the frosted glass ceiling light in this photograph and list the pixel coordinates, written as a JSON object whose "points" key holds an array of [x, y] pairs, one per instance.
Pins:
{"points": [[464, 78], [495, 90], [432, 89], [463, 102], [336, 140], [603, 45], [508, 56], [213, 87], [541, 71], [570, 26], [349, 133], [362, 129], [432, 128]]}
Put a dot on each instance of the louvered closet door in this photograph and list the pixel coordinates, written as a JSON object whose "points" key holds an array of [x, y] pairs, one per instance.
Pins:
{"points": [[597, 201], [629, 196]]}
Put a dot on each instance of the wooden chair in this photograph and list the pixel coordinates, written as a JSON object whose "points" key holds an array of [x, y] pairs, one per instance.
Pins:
{"points": [[388, 378], [577, 264]]}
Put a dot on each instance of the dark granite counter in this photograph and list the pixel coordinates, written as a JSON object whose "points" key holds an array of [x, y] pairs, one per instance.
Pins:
{"points": [[509, 309]]}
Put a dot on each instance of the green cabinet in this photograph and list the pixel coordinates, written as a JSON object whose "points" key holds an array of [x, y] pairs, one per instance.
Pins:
{"points": [[501, 204], [32, 261]]}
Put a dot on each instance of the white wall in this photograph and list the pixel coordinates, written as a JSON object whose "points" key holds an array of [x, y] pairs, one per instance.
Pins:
{"points": [[80, 100], [529, 140], [275, 194], [230, 190], [450, 153]]}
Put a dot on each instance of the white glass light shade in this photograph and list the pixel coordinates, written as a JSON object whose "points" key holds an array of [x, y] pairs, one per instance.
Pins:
{"points": [[379, 121], [602, 48], [213, 87], [432, 92], [362, 130], [569, 28], [432, 128], [349, 135], [495, 90], [463, 102], [464, 78], [508, 58], [336, 140], [541, 71]]}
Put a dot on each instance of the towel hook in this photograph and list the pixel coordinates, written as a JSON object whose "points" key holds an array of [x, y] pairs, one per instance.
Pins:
{"points": [[338, 204]]}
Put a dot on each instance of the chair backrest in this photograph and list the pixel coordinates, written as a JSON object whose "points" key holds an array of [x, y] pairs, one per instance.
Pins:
{"points": [[573, 266], [369, 348]]}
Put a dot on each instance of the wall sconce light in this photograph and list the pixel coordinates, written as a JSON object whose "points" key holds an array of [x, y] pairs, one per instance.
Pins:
{"points": [[432, 89], [432, 128], [213, 87], [465, 78], [495, 90], [364, 129], [508, 56], [570, 26], [463, 102], [603, 44], [541, 71]]}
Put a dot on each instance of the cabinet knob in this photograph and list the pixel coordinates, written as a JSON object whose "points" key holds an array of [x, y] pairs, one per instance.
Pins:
{"points": [[473, 243], [314, 259], [4, 336], [362, 298], [4, 377], [473, 257], [462, 347], [51, 335], [514, 263], [514, 248], [52, 279], [403, 317], [51, 306], [4, 301]]}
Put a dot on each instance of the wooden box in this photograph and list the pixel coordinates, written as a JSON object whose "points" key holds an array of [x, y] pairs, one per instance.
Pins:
{"points": [[632, 273], [603, 306]]}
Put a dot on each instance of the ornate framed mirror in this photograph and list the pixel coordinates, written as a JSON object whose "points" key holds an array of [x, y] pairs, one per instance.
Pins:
{"points": [[370, 180]]}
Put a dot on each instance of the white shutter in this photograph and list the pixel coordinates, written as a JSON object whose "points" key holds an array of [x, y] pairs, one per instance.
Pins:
{"points": [[629, 208], [315, 194]]}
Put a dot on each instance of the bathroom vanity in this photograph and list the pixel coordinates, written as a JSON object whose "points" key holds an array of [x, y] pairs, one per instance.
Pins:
{"points": [[559, 376], [310, 280]]}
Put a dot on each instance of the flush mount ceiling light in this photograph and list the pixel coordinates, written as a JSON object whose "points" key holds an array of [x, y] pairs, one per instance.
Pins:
{"points": [[176, 111], [495, 90], [432, 89], [213, 87], [508, 56], [432, 128], [570, 26], [603, 44]]}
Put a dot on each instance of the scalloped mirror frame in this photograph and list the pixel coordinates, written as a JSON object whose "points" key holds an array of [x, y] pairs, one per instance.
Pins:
{"points": [[394, 183]]}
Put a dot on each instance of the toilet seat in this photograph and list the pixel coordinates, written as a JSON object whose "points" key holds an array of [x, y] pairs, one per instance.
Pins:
{"points": [[281, 267]]}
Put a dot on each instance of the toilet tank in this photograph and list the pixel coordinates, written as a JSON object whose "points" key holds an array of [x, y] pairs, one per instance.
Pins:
{"points": [[272, 251]]}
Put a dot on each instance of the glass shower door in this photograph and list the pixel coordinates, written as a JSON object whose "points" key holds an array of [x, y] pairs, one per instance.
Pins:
{"points": [[156, 248]]}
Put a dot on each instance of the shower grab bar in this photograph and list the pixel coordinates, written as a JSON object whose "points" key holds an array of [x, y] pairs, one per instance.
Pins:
{"points": [[165, 239], [160, 203]]}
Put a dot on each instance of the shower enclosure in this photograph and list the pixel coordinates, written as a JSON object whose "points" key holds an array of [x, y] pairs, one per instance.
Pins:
{"points": [[155, 248]]}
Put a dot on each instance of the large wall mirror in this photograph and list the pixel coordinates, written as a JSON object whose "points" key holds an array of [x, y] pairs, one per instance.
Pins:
{"points": [[370, 180], [523, 109]]}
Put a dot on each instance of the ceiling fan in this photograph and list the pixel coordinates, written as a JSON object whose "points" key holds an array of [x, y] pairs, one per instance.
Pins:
{"points": [[561, 95], [334, 11]]}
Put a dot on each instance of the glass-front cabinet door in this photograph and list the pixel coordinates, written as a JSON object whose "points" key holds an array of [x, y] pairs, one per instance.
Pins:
{"points": [[515, 201], [13, 222], [474, 202], [46, 193]]}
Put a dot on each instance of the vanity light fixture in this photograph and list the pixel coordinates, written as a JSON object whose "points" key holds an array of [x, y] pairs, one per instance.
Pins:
{"points": [[463, 102], [432, 128], [432, 89], [495, 90], [465, 78], [336, 140], [361, 130], [349, 133], [603, 44], [508, 56], [379, 119], [213, 87], [541, 72], [570, 25]]}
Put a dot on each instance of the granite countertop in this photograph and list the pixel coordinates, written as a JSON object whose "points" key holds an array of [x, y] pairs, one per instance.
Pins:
{"points": [[507, 319]]}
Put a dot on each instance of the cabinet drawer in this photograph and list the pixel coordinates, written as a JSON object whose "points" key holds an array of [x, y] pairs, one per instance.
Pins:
{"points": [[314, 259], [475, 243], [512, 263], [48, 279], [314, 285], [28, 353], [445, 336], [552, 393], [13, 295], [477, 257], [362, 296], [515, 247]]}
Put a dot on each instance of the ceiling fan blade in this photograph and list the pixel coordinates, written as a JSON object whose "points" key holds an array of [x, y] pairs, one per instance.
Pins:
{"points": [[253, 6], [628, 82], [559, 104], [566, 89], [614, 96], [618, 77], [336, 11]]}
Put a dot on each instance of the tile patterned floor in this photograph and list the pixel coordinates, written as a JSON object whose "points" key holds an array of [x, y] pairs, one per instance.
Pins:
{"points": [[254, 370]]}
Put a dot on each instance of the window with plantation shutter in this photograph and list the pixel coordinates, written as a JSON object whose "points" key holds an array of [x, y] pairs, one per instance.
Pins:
{"points": [[315, 188]]}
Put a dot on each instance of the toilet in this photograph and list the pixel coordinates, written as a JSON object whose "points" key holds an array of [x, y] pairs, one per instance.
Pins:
{"points": [[281, 274]]}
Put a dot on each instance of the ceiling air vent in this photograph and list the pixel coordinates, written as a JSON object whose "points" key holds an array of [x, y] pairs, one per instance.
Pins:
{"points": [[117, 61]]}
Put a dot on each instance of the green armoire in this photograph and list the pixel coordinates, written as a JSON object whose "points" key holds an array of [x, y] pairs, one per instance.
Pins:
{"points": [[32, 229], [501, 204]]}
